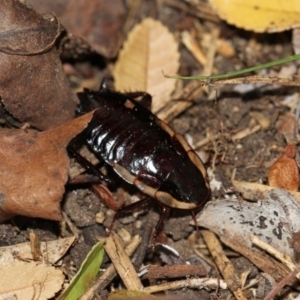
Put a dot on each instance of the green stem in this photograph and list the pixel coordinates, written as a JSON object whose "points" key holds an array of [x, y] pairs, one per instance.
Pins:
{"points": [[238, 73]]}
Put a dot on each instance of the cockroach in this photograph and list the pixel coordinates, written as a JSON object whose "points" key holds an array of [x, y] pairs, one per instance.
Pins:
{"points": [[144, 151]]}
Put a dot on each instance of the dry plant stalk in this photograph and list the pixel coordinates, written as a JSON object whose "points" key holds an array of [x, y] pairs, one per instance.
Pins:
{"points": [[281, 80], [255, 191], [114, 249], [192, 45], [194, 283], [35, 246], [224, 264], [282, 257]]}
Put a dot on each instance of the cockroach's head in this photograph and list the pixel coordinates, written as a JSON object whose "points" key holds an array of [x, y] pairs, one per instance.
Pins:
{"points": [[88, 98], [87, 101]]}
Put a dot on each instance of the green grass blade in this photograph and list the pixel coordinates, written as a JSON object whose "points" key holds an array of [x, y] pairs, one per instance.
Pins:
{"points": [[237, 73], [86, 274]]}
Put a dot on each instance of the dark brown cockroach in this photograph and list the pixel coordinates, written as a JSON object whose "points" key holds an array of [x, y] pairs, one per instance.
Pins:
{"points": [[144, 150]]}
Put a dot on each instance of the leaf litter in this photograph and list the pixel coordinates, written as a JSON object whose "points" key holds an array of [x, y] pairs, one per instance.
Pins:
{"points": [[211, 124], [99, 28]]}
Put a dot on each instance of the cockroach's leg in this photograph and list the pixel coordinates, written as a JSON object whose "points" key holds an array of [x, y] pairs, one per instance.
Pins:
{"points": [[84, 178], [196, 224], [145, 99], [127, 209], [147, 233], [165, 212], [90, 168]]}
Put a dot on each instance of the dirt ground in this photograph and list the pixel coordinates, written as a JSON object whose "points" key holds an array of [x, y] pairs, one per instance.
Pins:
{"points": [[220, 113]]}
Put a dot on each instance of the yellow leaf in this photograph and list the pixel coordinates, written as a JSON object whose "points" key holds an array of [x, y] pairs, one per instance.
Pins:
{"points": [[259, 15], [149, 50]]}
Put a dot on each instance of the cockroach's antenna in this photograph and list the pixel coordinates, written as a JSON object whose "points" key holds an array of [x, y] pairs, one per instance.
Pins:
{"points": [[102, 86]]}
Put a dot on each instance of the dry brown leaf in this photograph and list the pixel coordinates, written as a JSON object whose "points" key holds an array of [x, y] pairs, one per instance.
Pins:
{"points": [[284, 173], [149, 50], [98, 22], [34, 169], [33, 86], [29, 281], [52, 251]]}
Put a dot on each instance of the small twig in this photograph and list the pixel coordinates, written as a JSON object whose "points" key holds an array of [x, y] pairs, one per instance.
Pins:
{"points": [[284, 258], [192, 45], [286, 280], [72, 227], [281, 80], [175, 271], [255, 191], [114, 249], [224, 264], [205, 141], [245, 132], [194, 283], [35, 246]]}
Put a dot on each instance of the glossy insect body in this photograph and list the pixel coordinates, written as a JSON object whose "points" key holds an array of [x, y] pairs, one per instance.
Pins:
{"points": [[144, 150]]}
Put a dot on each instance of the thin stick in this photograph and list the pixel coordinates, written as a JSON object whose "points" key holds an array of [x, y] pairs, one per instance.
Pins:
{"points": [[122, 263], [195, 283], [277, 288], [224, 264]]}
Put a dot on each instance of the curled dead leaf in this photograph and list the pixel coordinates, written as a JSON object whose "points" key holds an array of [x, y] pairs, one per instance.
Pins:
{"points": [[149, 49], [93, 24], [284, 173], [34, 169], [33, 86]]}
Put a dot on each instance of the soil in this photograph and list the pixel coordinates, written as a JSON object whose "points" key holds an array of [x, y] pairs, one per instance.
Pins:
{"points": [[221, 112]]}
